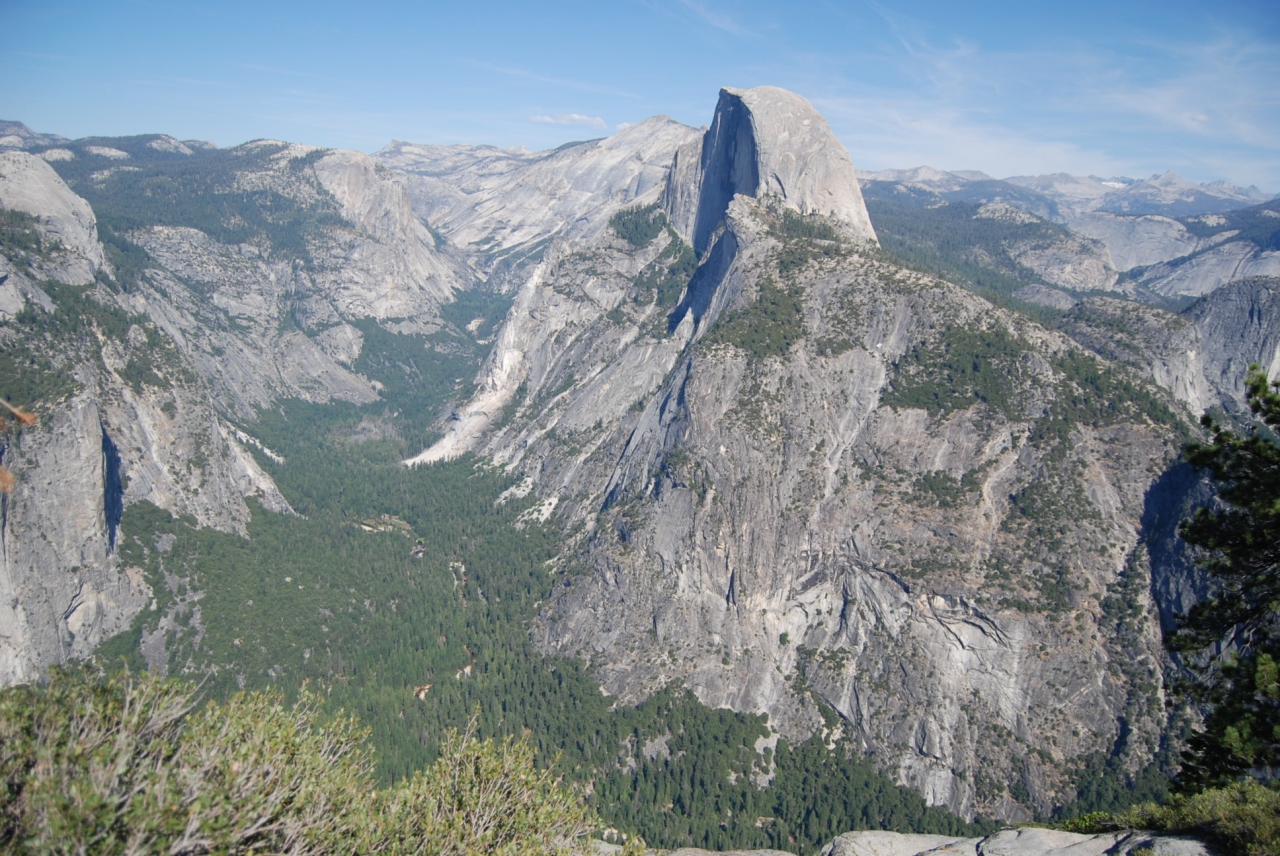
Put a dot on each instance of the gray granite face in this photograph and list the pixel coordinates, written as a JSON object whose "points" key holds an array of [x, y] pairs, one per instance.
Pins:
{"points": [[1008, 842], [769, 143], [28, 184], [779, 544], [760, 528], [500, 205], [173, 442], [1014, 842]]}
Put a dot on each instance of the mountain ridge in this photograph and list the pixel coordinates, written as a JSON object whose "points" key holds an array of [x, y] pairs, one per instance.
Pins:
{"points": [[788, 470]]}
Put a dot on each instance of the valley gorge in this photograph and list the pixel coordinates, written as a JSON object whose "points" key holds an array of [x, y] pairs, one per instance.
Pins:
{"points": [[765, 434]]}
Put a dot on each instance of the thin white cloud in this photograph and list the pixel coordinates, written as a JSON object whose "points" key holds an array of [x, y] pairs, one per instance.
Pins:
{"points": [[525, 74], [1221, 90], [1206, 108], [572, 119], [286, 72], [902, 133], [715, 18]]}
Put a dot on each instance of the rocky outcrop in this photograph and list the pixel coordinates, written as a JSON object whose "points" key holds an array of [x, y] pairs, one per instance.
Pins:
{"points": [[1240, 326], [552, 309], [1073, 262], [1168, 348], [28, 184], [232, 330], [1015, 842], [774, 528], [505, 204], [1201, 355], [395, 270], [767, 142], [1138, 241], [18, 136], [61, 592], [1008, 842], [1211, 269], [109, 445]]}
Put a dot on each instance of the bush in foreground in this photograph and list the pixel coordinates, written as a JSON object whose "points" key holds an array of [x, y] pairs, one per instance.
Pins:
{"points": [[1243, 817], [132, 765]]}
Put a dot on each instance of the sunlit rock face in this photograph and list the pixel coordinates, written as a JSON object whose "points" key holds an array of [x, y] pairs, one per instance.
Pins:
{"points": [[770, 142], [798, 478], [778, 528], [29, 185]]}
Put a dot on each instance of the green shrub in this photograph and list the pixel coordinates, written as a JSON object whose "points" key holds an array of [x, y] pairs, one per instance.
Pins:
{"points": [[131, 765], [793, 226], [766, 328], [805, 238], [961, 366], [19, 237], [663, 280], [1243, 817], [639, 226], [479, 797]]}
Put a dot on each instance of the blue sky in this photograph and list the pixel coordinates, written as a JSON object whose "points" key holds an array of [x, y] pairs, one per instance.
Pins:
{"points": [[1119, 88]]}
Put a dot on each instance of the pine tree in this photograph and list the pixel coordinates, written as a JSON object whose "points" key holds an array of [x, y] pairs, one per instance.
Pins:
{"points": [[1233, 638]]}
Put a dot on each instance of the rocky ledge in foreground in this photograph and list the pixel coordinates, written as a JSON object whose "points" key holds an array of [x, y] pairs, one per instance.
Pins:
{"points": [[1008, 842]]}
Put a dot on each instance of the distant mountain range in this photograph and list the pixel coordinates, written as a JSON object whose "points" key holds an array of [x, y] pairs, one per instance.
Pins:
{"points": [[1162, 238], [890, 458], [1067, 197]]}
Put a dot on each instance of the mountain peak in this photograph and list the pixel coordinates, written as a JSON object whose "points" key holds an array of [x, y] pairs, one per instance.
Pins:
{"points": [[767, 141]]}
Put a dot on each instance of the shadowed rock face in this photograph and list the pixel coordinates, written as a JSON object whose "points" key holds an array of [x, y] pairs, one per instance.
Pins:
{"points": [[770, 142], [1240, 325], [730, 165]]}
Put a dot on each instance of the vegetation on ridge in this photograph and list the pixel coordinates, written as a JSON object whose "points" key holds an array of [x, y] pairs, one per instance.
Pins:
{"points": [[1243, 818], [766, 327], [1232, 639], [1231, 644], [134, 765], [639, 226]]}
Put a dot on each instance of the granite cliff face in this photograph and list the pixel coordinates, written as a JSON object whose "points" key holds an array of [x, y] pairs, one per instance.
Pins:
{"points": [[147, 376], [767, 142], [66, 222], [1200, 355], [781, 506], [503, 206], [793, 474], [1014, 842]]}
